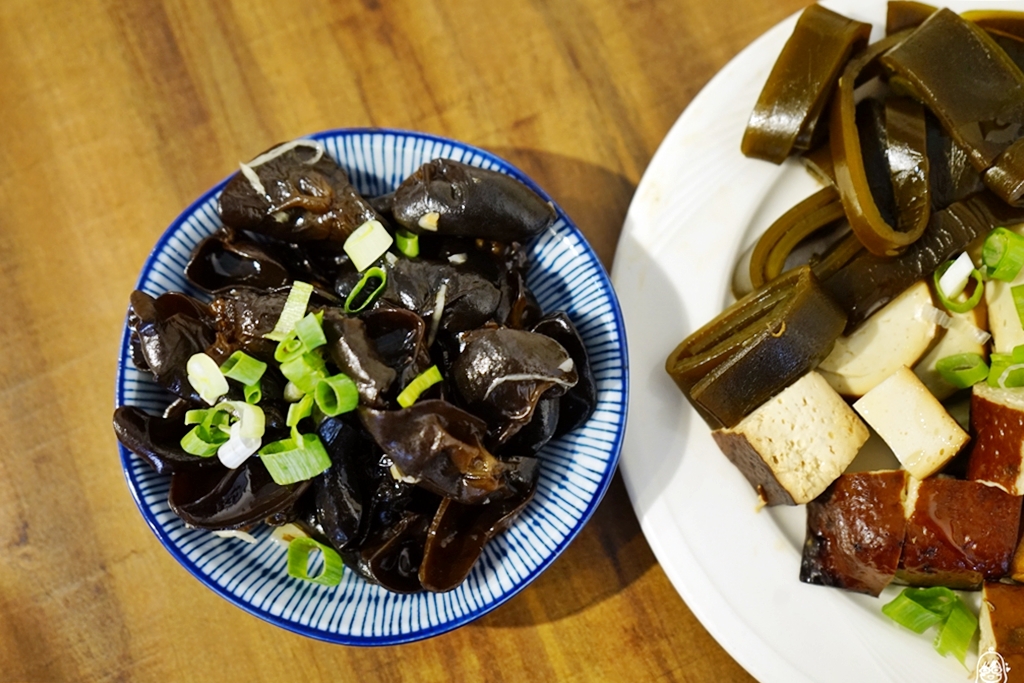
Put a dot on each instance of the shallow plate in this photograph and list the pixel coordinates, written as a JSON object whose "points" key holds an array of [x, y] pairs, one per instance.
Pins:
{"points": [[565, 274], [699, 205]]}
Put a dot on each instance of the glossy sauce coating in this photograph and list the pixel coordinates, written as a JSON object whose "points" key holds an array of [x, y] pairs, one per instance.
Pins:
{"points": [[996, 455], [959, 534], [855, 532]]}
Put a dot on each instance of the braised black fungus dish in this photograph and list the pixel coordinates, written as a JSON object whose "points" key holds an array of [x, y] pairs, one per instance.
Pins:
{"points": [[371, 373]]}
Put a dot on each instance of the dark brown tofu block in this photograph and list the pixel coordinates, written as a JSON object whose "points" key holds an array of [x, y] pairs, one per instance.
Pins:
{"points": [[997, 422], [959, 534], [1001, 644], [855, 532]]}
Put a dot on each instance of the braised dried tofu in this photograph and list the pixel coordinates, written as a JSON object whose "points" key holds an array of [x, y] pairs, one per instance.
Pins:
{"points": [[855, 532], [1001, 625], [959, 533], [796, 444], [966, 334], [913, 423], [895, 336], [1017, 563], [997, 452]]}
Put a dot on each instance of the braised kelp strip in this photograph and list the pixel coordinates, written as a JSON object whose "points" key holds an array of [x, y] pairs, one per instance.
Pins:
{"points": [[756, 347], [785, 118]]}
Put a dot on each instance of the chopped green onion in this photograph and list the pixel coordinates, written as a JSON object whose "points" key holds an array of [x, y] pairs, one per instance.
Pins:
{"points": [[366, 291], [297, 411], [908, 613], [206, 378], [957, 275], [1017, 292], [408, 243], [292, 393], [298, 561], [921, 608], [251, 419], [305, 371], [958, 305], [957, 632], [1002, 255], [201, 442], [207, 417], [292, 460], [289, 348], [244, 368], [253, 392], [231, 429], [310, 332], [336, 394], [963, 369], [1005, 372], [367, 243], [293, 311], [307, 335], [238, 447], [418, 385], [358, 299]]}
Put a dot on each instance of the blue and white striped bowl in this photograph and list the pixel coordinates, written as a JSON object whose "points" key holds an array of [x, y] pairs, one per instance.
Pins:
{"points": [[565, 275]]}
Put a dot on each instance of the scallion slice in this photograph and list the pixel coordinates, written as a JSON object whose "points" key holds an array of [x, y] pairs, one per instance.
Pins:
{"points": [[289, 348], [294, 310], [955, 278], [305, 371], [299, 551], [921, 608], [1017, 292], [369, 287], [910, 614], [956, 634], [336, 394], [253, 392], [206, 378], [418, 385], [202, 442], [251, 418], [408, 243], [367, 243], [237, 449], [1004, 372], [955, 304], [310, 332], [1002, 254], [243, 368], [299, 410], [962, 370], [291, 460]]}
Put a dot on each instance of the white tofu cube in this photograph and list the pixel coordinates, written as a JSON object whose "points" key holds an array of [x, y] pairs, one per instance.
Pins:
{"points": [[912, 422], [796, 444]]}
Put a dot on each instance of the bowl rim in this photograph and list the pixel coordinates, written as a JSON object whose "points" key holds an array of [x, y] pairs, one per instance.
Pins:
{"points": [[614, 452]]}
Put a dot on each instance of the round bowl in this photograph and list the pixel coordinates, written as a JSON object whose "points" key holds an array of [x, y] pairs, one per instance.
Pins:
{"points": [[576, 469]]}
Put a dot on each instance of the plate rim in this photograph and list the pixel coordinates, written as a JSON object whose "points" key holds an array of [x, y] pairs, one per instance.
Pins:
{"points": [[685, 565], [614, 452]]}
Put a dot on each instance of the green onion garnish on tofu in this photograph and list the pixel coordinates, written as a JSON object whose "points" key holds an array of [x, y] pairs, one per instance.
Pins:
{"points": [[962, 370]]}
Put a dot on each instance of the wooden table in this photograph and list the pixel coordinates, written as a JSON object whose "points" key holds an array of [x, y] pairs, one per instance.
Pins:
{"points": [[114, 115]]}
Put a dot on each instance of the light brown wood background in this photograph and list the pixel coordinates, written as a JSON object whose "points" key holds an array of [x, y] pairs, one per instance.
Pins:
{"points": [[114, 115]]}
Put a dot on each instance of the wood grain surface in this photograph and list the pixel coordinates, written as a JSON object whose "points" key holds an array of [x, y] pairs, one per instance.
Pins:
{"points": [[114, 115]]}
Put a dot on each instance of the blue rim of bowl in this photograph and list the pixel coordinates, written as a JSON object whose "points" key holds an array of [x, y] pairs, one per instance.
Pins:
{"points": [[423, 633]]}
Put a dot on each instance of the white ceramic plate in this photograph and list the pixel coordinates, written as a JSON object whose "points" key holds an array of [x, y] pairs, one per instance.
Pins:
{"points": [[576, 469], [699, 205]]}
